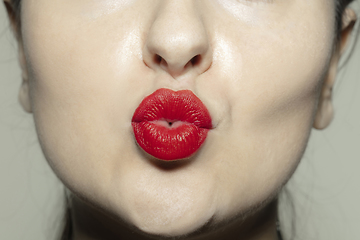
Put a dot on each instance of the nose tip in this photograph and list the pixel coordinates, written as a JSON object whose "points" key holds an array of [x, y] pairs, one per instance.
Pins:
{"points": [[177, 41], [177, 63]]}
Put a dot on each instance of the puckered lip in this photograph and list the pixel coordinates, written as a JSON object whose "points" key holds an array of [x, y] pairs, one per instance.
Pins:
{"points": [[171, 106], [171, 125]]}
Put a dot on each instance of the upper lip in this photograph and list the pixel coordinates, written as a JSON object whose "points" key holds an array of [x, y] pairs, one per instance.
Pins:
{"points": [[169, 105]]}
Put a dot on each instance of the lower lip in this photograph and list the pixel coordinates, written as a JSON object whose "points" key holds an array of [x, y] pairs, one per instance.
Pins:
{"points": [[190, 120]]}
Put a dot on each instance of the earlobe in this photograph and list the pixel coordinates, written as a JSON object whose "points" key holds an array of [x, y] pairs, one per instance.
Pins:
{"points": [[324, 114], [24, 97]]}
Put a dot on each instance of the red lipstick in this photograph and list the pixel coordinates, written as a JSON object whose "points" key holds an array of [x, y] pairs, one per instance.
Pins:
{"points": [[171, 125]]}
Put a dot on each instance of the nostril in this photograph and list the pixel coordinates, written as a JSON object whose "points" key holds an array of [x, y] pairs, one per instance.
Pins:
{"points": [[160, 61], [157, 59], [176, 68], [195, 60]]}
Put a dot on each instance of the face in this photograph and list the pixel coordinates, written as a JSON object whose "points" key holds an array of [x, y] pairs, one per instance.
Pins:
{"points": [[259, 70]]}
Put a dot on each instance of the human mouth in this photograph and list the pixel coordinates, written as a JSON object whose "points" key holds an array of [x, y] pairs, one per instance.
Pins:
{"points": [[171, 125]]}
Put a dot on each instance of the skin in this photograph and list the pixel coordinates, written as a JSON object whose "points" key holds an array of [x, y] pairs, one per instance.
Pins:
{"points": [[265, 73]]}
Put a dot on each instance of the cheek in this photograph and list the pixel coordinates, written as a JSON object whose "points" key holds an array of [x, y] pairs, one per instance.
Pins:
{"points": [[81, 76], [270, 83]]}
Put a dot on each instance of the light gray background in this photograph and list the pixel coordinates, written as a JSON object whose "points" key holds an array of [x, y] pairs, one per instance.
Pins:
{"points": [[326, 186]]}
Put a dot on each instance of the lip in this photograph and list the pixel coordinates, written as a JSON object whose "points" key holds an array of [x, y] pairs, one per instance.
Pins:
{"points": [[171, 125]]}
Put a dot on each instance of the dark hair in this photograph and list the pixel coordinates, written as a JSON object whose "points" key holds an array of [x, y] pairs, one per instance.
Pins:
{"points": [[15, 15]]}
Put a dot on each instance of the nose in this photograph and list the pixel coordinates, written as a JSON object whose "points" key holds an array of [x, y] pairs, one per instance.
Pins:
{"points": [[177, 40]]}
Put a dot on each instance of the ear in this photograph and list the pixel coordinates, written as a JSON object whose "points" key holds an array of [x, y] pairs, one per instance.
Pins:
{"points": [[24, 95], [325, 110], [24, 91]]}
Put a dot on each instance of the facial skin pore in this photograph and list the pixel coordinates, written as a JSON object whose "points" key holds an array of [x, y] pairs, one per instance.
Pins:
{"points": [[263, 67]]}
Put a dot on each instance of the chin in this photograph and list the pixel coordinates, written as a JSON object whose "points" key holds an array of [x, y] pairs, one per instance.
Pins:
{"points": [[170, 220], [182, 228], [167, 204]]}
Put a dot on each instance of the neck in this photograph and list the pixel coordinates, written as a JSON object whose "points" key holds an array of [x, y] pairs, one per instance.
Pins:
{"points": [[89, 223]]}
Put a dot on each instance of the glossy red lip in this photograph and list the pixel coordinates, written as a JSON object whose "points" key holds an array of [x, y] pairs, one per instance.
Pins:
{"points": [[171, 125]]}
